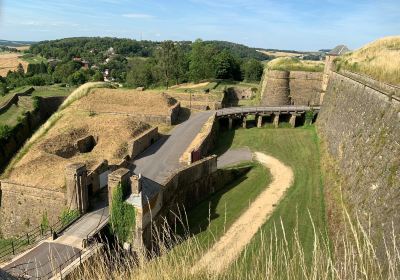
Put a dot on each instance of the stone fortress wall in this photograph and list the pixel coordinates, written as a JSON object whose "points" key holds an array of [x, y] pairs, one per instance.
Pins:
{"points": [[291, 88], [359, 124], [23, 207]]}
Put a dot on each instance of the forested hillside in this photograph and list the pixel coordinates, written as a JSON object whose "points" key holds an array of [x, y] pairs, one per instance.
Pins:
{"points": [[74, 61]]}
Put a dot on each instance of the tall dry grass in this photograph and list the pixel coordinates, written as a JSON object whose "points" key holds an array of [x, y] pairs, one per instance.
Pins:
{"points": [[379, 59], [273, 257]]}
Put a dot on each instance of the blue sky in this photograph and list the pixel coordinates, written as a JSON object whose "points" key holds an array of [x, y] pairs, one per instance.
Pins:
{"points": [[295, 24]]}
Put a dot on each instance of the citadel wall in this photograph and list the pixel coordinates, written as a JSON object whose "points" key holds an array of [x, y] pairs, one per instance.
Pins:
{"points": [[359, 125]]}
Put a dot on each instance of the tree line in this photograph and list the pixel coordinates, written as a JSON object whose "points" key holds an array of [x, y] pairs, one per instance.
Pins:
{"points": [[136, 63], [172, 65]]}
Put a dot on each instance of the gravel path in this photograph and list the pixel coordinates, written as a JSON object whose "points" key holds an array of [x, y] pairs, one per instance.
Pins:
{"points": [[228, 248]]}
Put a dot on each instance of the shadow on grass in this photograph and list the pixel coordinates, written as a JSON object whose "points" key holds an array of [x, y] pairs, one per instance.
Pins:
{"points": [[201, 215]]}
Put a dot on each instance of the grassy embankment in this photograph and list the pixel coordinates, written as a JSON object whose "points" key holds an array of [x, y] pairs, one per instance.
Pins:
{"points": [[295, 64], [379, 59]]}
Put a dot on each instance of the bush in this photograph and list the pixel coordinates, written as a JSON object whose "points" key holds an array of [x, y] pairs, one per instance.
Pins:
{"points": [[67, 216], [5, 132]]}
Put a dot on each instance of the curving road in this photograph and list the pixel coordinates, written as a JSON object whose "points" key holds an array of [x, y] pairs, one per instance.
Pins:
{"points": [[162, 158]]}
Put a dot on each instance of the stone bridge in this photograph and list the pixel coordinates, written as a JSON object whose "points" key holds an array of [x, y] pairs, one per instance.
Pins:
{"points": [[292, 114]]}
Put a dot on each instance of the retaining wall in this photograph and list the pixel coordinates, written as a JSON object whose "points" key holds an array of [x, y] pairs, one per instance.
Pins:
{"points": [[203, 143], [359, 125], [142, 142], [22, 207]]}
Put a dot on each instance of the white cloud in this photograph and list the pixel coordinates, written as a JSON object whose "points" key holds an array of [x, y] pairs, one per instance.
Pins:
{"points": [[141, 16]]}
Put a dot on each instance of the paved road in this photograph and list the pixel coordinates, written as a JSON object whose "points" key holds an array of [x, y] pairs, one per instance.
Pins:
{"points": [[234, 156], [162, 158], [83, 227], [42, 260]]}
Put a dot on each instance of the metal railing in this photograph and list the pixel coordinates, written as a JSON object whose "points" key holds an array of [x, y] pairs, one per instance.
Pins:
{"points": [[271, 109], [23, 242]]}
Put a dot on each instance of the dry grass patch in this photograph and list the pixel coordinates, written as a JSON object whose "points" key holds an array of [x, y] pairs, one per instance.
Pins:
{"points": [[9, 62], [279, 53], [42, 160], [379, 59], [21, 48], [126, 101], [45, 162]]}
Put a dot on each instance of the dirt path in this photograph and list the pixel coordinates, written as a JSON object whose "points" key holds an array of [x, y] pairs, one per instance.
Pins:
{"points": [[246, 226]]}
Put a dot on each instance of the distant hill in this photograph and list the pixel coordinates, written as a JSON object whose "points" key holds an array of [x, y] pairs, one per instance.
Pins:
{"points": [[240, 50], [7, 43], [88, 47]]}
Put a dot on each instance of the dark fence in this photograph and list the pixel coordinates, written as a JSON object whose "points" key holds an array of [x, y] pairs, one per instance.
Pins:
{"points": [[27, 240]]}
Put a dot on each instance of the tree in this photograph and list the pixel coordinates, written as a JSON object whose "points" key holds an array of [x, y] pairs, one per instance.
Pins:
{"points": [[181, 68], [62, 72], [3, 89], [98, 77], [226, 66], [77, 78], [167, 57], [140, 73], [253, 70], [201, 65], [20, 70]]}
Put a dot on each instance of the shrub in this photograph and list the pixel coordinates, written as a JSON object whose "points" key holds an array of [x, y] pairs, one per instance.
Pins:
{"points": [[5, 132], [68, 215]]}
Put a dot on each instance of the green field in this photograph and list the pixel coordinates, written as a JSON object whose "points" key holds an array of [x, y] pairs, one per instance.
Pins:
{"points": [[299, 149], [11, 116], [33, 59], [50, 91]]}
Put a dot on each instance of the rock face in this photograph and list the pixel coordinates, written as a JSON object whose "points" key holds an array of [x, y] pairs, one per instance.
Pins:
{"points": [[295, 87], [360, 127]]}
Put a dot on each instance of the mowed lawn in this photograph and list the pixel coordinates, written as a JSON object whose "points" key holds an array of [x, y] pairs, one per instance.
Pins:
{"points": [[297, 148], [10, 117]]}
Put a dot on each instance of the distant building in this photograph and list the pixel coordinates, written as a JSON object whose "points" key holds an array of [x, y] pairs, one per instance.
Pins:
{"points": [[85, 64], [110, 51]]}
